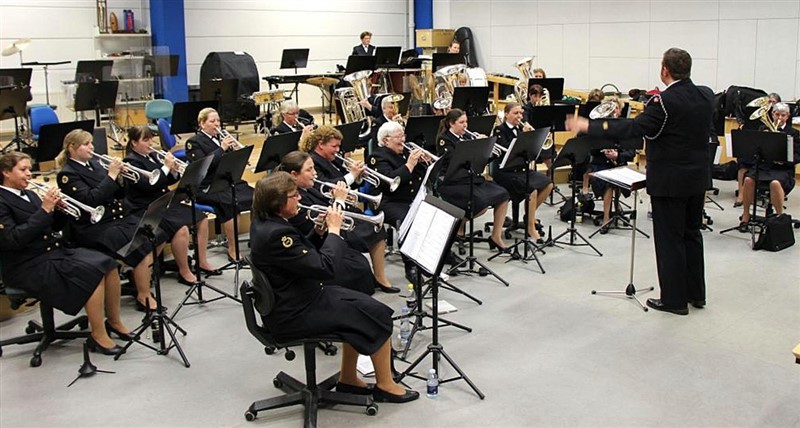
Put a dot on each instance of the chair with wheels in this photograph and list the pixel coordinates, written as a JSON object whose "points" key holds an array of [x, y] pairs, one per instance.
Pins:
{"points": [[258, 301], [157, 109], [168, 140]]}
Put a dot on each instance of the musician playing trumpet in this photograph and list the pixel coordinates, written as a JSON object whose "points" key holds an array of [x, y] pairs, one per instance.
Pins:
{"points": [[289, 120], [389, 110], [174, 224], [209, 141]]}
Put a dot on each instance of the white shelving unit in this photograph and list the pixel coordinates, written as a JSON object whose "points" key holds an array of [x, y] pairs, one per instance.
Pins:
{"points": [[128, 51]]}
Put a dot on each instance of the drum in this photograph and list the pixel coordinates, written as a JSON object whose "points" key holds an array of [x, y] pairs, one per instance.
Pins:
{"points": [[477, 77], [274, 96]]}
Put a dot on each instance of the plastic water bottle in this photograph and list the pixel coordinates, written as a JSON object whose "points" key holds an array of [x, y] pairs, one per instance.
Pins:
{"points": [[405, 328], [411, 299], [433, 384]]}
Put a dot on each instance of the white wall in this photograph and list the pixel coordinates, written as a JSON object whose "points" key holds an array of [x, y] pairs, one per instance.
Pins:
{"points": [[592, 42]]}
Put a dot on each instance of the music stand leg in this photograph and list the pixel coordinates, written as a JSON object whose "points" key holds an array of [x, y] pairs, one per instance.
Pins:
{"points": [[571, 230]]}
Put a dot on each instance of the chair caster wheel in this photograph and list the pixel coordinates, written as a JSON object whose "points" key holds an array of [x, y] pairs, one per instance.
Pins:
{"points": [[250, 416], [331, 350], [486, 228], [462, 251], [716, 192], [30, 329], [483, 272], [269, 350], [372, 409], [710, 222], [36, 361], [506, 234], [276, 383], [289, 355]]}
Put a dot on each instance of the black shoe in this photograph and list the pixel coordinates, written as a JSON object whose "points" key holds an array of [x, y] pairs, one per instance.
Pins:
{"points": [[242, 261], [352, 389], [699, 304], [141, 307], [737, 204], [381, 395], [453, 259], [184, 281], [657, 305], [494, 245], [604, 230], [743, 227], [387, 290], [124, 336], [214, 272], [95, 347]]}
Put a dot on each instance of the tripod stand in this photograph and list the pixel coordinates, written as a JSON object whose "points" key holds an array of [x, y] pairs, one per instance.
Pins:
{"points": [[619, 216], [12, 101]]}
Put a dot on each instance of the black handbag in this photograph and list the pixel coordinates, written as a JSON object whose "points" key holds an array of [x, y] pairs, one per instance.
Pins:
{"points": [[776, 234]]}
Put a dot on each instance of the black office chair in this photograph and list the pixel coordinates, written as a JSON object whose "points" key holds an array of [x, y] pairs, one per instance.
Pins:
{"points": [[258, 301]]}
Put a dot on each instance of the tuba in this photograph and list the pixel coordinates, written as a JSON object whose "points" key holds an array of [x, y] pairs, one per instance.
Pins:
{"points": [[521, 88], [447, 79], [603, 110], [762, 112], [352, 96]]}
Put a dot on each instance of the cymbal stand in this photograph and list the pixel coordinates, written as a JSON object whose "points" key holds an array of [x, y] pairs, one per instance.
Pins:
{"points": [[630, 290]]}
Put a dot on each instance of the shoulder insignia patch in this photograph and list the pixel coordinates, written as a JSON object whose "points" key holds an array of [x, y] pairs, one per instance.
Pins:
{"points": [[2, 226], [188, 146], [305, 251], [287, 241], [373, 161], [605, 125], [64, 179]]}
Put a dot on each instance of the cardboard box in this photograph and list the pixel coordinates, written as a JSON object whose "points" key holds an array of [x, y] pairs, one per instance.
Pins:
{"points": [[433, 38]]}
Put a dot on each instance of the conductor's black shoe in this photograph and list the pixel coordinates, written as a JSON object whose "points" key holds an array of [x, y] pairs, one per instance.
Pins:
{"points": [[96, 347], [743, 228], [381, 395], [657, 305], [352, 389], [699, 304]]}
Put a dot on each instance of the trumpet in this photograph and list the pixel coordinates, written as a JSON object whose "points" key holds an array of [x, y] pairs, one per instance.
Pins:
{"points": [[316, 213], [305, 122], [371, 176], [411, 146], [129, 171], [71, 206], [225, 134], [352, 195], [162, 155]]}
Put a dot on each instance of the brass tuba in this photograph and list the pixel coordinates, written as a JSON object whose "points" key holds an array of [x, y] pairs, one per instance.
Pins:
{"points": [[603, 110], [351, 97], [525, 70], [762, 112]]}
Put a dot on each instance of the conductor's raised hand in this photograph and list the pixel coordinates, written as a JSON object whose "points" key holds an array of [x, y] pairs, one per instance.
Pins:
{"points": [[577, 124]]}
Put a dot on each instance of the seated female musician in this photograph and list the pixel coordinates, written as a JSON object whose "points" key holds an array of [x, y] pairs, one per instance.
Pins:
{"points": [[603, 159], [174, 224], [595, 95], [295, 266], [513, 179], [456, 190], [65, 278], [83, 178], [290, 120], [779, 175], [536, 98], [209, 141]]}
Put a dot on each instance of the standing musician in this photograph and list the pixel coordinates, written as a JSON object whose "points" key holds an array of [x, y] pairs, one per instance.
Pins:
{"points": [[605, 159], [174, 224], [354, 272], [289, 120], [676, 127], [535, 99], [208, 141], [295, 267], [513, 180], [83, 178], [779, 175], [390, 160], [323, 145], [456, 191], [64, 278], [364, 49]]}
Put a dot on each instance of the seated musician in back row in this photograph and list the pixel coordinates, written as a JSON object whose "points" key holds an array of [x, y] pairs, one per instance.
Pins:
{"points": [[536, 98], [779, 175], [290, 120], [388, 114], [323, 145], [210, 141], [513, 179]]}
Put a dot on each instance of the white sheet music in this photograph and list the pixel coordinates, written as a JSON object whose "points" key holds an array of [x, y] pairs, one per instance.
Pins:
{"points": [[427, 236], [412, 210], [508, 153], [622, 177], [717, 155], [728, 145]]}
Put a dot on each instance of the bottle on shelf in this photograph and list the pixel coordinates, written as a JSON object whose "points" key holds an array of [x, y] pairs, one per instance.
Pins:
{"points": [[433, 384]]}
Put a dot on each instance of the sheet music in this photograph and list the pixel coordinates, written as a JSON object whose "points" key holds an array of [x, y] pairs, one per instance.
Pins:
{"points": [[728, 145], [789, 149], [717, 155], [622, 177], [507, 154], [427, 236], [412, 210]]}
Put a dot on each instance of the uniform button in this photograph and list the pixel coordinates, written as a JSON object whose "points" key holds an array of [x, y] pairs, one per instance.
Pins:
{"points": [[48, 248], [57, 244], [45, 237]]}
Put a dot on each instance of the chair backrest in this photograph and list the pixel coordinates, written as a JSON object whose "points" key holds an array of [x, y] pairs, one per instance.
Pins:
{"points": [[42, 116], [156, 109], [257, 302], [167, 139]]}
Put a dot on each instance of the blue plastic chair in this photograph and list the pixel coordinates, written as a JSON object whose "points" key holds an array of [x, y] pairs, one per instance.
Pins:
{"points": [[41, 116], [157, 109], [168, 140]]}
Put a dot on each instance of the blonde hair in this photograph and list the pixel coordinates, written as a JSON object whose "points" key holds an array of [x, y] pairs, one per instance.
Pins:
{"points": [[73, 140], [595, 95], [203, 115], [320, 135]]}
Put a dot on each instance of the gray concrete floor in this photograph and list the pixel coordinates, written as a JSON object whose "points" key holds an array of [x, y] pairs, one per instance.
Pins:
{"points": [[544, 351]]}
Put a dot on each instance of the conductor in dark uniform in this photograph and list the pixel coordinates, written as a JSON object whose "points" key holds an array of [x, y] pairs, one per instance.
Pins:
{"points": [[209, 141], [675, 125], [364, 49], [296, 266]]}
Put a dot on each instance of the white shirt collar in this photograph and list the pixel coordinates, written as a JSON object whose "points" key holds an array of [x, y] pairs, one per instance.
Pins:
{"points": [[83, 164], [14, 191]]}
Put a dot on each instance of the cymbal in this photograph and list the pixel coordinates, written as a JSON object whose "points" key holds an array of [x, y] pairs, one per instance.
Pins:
{"points": [[322, 81], [16, 47]]}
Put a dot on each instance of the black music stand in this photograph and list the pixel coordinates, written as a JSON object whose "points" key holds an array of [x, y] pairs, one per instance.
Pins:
{"points": [[444, 59], [224, 92], [766, 147], [471, 99], [158, 319], [421, 130], [631, 180], [521, 152], [51, 138], [96, 96], [554, 85], [294, 58], [482, 124], [472, 156], [437, 232], [387, 56], [350, 132], [574, 152], [554, 118], [45, 66], [275, 148], [15, 76], [184, 115], [13, 101], [93, 71], [358, 63]]}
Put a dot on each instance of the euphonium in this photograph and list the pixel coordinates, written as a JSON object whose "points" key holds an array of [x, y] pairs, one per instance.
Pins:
{"points": [[762, 112], [603, 110], [545, 100], [129, 171], [352, 195], [348, 218], [371, 176], [71, 206]]}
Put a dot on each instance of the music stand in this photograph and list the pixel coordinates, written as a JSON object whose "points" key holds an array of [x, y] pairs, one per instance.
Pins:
{"points": [[444, 59], [471, 99], [45, 66], [429, 238], [358, 63], [13, 102], [99, 141], [294, 58], [553, 117], [521, 152], [275, 148], [573, 153], [15, 77], [350, 132], [146, 233], [225, 92], [628, 179], [482, 124], [93, 71], [51, 138], [422, 131], [96, 96], [554, 85], [184, 115], [472, 156], [387, 56]]}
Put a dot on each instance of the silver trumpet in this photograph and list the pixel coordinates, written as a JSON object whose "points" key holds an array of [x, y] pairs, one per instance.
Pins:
{"points": [[371, 176], [129, 171], [316, 213], [411, 146], [71, 206], [225, 134], [352, 195], [497, 147], [162, 155]]}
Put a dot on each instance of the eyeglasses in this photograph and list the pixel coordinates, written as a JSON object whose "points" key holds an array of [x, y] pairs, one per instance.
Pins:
{"points": [[295, 195], [292, 113]]}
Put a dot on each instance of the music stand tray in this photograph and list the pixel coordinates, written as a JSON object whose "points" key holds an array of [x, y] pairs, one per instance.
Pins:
{"points": [[387, 56], [93, 71], [15, 77], [350, 132], [554, 85], [358, 63], [422, 131], [471, 99], [51, 138], [294, 58], [184, 115], [444, 59], [482, 124], [275, 148]]}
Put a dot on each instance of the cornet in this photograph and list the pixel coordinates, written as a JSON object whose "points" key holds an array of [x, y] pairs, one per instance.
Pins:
{"points": [[352, 195], [129, 171], [411, 146], [162, 155], [371, 176], [317, 213], [225, 134], [70, 205]]}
